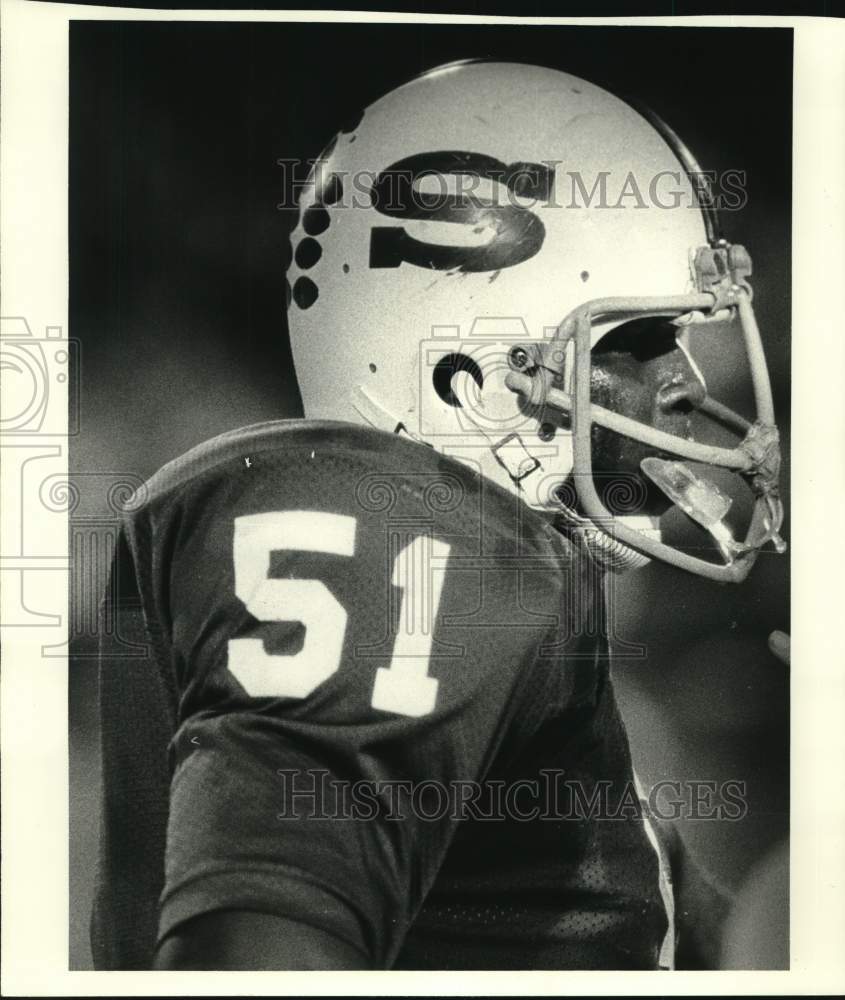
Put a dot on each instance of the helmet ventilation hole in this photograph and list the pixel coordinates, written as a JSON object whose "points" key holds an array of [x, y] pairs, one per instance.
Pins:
{"points": [[315, 220], [305, 293], [308, 253]]}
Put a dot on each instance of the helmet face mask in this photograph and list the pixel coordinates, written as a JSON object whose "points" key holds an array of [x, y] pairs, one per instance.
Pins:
{"points": [[462, 251], [756, 456]]}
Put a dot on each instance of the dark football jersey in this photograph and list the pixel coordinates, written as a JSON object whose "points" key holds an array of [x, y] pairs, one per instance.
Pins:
{"points": [[377, 695]]}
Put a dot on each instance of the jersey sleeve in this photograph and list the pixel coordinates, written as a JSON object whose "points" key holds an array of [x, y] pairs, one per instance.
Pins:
{"points": [[351, 644]]}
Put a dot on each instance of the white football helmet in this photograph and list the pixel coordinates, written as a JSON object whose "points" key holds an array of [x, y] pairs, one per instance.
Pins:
{"points": [[462, 248]]}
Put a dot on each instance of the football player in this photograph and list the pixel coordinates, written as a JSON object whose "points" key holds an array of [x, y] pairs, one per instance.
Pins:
{"points": [[376, 727]]}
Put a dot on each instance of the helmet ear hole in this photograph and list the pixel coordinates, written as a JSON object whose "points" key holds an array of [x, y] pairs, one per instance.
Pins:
{"points": [[446, 369]]}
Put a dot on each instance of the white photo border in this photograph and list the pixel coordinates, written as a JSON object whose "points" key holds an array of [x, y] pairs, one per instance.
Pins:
{"points": [[34, 561]]}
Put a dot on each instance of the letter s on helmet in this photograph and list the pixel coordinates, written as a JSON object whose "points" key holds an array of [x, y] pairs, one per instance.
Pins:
{"points": [[462, 249]]}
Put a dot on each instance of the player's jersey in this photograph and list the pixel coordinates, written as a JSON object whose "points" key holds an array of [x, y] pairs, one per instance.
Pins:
{"points": [[377, 693]]}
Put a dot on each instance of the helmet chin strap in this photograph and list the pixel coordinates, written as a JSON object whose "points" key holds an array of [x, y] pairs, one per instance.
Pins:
{"points": [[612, 555]]}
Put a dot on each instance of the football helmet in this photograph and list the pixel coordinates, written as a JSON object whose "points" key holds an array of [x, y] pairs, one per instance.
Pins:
{"points": [[461, 249]]}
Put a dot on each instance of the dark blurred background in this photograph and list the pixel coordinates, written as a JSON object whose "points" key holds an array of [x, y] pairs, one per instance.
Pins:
{"points": [[177, 258]]}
